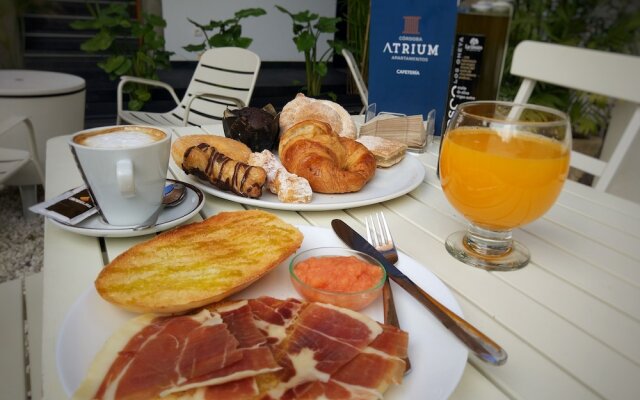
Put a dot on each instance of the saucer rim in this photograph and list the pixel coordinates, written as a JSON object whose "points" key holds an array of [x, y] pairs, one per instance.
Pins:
{"points": [[128, 231]]}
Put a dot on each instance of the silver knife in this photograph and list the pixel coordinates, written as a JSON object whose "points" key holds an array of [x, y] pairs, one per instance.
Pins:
{"points": [[479, 344]]}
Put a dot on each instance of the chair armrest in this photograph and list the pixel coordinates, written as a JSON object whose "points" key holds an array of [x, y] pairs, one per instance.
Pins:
{"points": [[239, 103], [11, 123], [150, 82]]}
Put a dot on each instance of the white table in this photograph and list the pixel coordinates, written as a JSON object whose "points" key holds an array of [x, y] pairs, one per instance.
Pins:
{"points": [[570, 320]]}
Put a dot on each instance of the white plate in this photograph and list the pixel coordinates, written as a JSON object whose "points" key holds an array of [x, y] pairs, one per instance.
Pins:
{"points": [[437, 357], [168, 218], [387, 184]]}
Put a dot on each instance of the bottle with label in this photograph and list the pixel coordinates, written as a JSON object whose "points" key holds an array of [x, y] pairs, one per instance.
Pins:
{"points": [[479, 51], [480, 47]]}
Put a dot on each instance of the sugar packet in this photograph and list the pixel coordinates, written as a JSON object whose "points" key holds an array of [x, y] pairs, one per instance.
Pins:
{"points": [[70, 207]]}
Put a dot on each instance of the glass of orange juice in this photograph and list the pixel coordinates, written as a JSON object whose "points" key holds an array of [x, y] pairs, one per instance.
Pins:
{"points": [[502, 165]]}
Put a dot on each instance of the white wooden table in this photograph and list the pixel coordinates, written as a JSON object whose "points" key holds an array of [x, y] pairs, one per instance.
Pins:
{"points": [[570, 320]]}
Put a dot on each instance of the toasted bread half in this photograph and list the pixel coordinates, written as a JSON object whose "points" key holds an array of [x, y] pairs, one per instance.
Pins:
{"points": [[198, 264], [231, 148]]}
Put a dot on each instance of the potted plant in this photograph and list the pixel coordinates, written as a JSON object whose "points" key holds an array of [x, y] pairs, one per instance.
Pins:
{"points": [[598, 24], [228, 33], [113, 23], [307, 28]]}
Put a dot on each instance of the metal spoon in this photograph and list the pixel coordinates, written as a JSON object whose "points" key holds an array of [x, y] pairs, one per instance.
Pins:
{"points": [[174, 194]]}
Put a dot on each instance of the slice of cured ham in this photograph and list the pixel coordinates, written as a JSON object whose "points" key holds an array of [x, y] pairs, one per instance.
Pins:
{"points": [[273, 317], [152, 357], [261, 348], [335, 353]]}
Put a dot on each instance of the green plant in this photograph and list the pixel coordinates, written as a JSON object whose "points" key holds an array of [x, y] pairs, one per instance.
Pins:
{"points": [[307, 28], [113, 23], [597, 24], [357, 17], [229, 31]]}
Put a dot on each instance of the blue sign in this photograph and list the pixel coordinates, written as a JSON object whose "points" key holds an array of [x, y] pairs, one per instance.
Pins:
{"points": [[410, 50]]}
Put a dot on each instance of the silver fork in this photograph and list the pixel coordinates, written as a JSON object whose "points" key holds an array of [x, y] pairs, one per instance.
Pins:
{"points": [[379, 235]]}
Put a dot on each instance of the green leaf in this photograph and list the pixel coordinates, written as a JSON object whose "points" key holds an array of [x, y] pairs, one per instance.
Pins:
{"points": [[284, 10], [336, 45], [305, 41], [84, 24], [155, 20], [235, 31], [123, 68], [243, 42], [328, 25], [113, 62], [142, 93], [135, 104], [250, 12], [196, 24], [229, 22], [101, 41], [144, 58], [195, 47], [305, 16], [320, 69], [297, 28], [221, 40], [213, 25]]}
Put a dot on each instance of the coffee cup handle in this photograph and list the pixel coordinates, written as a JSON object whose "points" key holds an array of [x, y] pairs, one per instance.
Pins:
{"points": [[124, 175]]}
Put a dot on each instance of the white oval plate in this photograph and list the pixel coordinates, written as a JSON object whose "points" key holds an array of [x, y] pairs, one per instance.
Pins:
{"points": [[168, 218], [387, 184], [437, 357]]}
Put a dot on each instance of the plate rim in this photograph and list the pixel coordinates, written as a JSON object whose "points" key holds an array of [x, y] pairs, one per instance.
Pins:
{"points": [[451, 303], [415, 164]]}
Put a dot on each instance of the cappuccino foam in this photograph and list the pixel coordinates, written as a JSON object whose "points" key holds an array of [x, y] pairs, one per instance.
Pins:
{"points": [[119, 139]]}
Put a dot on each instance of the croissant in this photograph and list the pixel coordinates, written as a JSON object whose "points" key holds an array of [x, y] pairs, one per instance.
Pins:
{"points": [[331, 164], [206, 162]]}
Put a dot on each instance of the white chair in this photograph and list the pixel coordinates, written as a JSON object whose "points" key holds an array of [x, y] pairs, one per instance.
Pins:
{"points": [[609, 74], [224, 76], [20, 167], [357, 77]]}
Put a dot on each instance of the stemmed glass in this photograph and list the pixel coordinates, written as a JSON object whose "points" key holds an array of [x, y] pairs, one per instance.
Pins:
{"points": [[502, 165]]}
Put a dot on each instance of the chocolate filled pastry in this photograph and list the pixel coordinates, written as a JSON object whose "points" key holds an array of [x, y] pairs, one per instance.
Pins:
{"points": [[207, 163]]}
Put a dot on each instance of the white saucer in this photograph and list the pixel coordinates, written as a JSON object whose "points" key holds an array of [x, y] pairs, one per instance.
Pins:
{"points": [[168, 218]]}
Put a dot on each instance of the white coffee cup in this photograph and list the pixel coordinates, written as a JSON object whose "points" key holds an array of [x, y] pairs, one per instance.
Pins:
{"points": [[125, 169]]}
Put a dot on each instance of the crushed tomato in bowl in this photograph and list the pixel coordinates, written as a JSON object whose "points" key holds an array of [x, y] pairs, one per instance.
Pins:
{"points": [[338, 273], [342, 277]]}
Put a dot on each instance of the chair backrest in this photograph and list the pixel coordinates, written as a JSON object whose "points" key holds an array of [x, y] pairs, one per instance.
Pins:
{"points": [[609, 74], [357, 77], [227, 72]]}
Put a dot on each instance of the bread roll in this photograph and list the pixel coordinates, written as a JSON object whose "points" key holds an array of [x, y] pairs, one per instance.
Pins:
{"points": [[302, 108], [331, 164], [198, 264]]}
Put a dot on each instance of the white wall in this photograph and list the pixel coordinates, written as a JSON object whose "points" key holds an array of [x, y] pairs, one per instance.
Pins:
{"points": [[271, 33]]}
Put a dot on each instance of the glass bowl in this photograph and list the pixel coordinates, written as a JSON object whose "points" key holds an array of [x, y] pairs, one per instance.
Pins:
{"points": [[334, 282]]}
